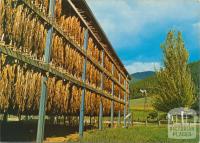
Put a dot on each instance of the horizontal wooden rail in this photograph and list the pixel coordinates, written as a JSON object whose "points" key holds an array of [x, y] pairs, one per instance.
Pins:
{"points": [[51, 22], [26, 58]]}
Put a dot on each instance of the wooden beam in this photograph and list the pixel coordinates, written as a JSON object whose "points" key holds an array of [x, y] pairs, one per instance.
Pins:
{"points": [[0, 64], [119, 112], [125, 105], [82, 107], [43, 97], [101, 102], [112, 103]]}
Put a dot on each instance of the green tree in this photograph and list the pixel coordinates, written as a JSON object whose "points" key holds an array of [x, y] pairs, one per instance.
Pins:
{"points": [[174, 87]]}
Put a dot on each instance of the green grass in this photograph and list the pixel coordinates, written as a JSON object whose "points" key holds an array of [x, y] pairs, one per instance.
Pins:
{"points": [[138, 104], [140, 115], [137, 109], [136, 134]]}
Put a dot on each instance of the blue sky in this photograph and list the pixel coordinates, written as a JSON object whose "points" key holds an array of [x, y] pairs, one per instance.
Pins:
{"points": [[136, 28]]}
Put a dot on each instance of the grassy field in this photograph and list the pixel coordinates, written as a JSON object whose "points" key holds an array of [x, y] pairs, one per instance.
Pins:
{"points": [[137, 109], [152, 133], [138, 104], [136, 134], [140, 115]]}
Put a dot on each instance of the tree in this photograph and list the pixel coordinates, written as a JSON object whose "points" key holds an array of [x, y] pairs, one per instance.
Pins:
{"points": [[174, 86]]}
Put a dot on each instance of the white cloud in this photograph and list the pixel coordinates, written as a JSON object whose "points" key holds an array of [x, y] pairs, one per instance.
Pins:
{"points": [[196, 27], [129, 18], [143, 66]]}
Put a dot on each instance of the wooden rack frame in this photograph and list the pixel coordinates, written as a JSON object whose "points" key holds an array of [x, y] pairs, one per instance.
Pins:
{"points": [[8, 50], [45, 66], [52, 23]]}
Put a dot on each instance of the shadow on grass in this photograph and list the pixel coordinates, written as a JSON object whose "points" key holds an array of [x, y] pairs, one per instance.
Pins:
{"points": [[24, 131]]}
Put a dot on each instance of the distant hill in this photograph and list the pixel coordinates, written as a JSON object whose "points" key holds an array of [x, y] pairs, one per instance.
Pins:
{"points": [[146, 80], [141, 75]]}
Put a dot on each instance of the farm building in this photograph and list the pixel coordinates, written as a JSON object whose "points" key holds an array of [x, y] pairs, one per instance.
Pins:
{"points": [[57, 61]]}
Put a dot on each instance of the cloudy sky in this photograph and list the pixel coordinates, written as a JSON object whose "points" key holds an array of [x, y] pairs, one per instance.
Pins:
{"points": [[136, 28]]}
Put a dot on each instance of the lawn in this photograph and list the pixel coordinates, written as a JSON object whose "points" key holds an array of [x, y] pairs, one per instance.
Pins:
{"points": [[140, 115], [138, 104], [137, 109], [136, 134]]}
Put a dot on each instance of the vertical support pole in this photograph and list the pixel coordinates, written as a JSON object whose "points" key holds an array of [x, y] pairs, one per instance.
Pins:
{"points": [[82, 106], [112, 104], [119, 113], [186, 118], [101, 104], [128, 94], [41, 120], [0, 64], [182, 115], [125, 104], [100, 114]]}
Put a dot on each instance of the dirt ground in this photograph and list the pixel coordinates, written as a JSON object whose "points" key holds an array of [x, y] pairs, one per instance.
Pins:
{"points": [[68, 138], [26, 132]]}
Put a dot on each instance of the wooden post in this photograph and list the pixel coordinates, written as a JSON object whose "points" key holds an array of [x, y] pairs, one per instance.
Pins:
{"points": [[112, 104], [119, 113], [158, 122], [0, 64], [100, 114], [101, 104], [41, 121], [129, 102], [125, 104], [82, 106]]}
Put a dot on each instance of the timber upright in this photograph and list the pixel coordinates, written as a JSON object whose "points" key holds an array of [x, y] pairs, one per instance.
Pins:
{"points": [[112, 103], [81, 122], [101, 102], [43, 98], [0, 64]]}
